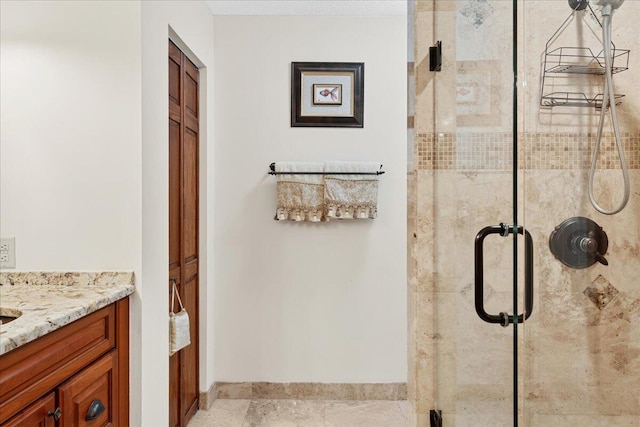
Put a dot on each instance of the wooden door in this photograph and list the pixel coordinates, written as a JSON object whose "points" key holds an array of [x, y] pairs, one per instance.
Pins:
{"points": [[183, 227]]}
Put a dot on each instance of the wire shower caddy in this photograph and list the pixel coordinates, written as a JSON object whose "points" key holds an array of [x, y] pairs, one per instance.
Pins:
{"points": [[565, 61]]}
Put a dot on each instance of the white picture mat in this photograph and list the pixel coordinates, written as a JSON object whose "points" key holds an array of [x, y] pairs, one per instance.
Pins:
{"points": [[306, 86]]}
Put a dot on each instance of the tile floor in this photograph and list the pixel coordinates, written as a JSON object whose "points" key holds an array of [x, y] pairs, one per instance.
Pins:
{"points": [[303, 413]]}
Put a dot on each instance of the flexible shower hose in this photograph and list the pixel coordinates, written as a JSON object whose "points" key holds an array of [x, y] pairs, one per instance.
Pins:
{"points": [[608, 98]]}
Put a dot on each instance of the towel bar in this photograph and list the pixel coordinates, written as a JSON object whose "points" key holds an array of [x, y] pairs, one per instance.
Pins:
{"points": [[272, 166]]}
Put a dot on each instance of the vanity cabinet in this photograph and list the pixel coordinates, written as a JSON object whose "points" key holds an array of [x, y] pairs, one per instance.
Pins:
{"points": [[77, 375]]}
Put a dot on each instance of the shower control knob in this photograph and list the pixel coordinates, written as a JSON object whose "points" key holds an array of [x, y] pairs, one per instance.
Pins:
{"points": [[579, 243], [588, 244]]}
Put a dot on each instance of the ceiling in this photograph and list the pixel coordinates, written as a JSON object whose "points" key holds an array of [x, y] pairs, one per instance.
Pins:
{"points": [[308, 7]]}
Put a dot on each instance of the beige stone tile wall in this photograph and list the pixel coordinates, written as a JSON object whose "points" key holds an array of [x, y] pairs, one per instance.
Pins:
{"points": [[577, 357]]}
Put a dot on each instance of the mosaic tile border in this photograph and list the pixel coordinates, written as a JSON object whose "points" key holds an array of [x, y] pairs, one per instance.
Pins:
{"points": [[538, 151], [311, 391]]}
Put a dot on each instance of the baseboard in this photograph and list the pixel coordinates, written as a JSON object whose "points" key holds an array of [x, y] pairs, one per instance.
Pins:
{"points": [[208, 397], [311, 391]]}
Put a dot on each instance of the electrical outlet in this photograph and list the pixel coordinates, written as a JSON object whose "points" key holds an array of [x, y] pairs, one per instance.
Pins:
{"points": [[8, 252]]}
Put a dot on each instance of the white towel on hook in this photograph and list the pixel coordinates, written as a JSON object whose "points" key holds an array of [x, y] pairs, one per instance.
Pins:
{"points": [[351, 196], [300, 197]]}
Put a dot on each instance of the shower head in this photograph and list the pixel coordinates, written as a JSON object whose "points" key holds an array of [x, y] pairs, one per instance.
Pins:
{"points": [[613, 3], [608, 6]]}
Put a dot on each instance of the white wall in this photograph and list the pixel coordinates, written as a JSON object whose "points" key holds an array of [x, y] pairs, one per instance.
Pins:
{"points": [[70, 134], [307, 302]]}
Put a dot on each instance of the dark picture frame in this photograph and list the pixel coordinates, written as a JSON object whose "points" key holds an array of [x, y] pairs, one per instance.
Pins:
{"points": [[307, 111]]}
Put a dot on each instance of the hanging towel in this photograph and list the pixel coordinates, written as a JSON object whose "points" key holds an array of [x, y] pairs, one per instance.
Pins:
{"points": [[351, 196], [300, 197]]}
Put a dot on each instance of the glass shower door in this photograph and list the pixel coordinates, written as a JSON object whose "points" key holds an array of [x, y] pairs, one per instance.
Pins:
{"points": [[487, 163], [470, 263]]}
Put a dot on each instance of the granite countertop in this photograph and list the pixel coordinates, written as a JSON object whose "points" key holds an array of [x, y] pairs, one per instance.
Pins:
{"points": [[51, 300]]}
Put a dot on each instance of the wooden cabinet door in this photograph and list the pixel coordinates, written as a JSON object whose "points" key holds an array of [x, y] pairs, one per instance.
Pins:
{"points": [[184, 227], [97, 383], [36, 415]]}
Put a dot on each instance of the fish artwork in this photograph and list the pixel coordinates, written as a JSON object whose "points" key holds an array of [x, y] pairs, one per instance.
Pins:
{"points": [[332, 93]]}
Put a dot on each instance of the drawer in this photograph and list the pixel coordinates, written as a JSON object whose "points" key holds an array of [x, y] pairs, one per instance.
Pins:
{"points": [[96, 386], [32, 370], [36, 415]]}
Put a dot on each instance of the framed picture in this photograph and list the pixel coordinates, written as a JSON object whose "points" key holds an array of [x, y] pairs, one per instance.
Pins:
{"points": [[327, 94]]}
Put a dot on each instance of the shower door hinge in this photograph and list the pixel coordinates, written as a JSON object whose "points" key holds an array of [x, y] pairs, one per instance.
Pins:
{"points": [[435, 57], [435, 417]]}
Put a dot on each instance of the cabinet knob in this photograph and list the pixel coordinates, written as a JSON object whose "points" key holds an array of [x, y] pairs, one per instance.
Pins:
{"points": [[96, 408], [56, 413]]}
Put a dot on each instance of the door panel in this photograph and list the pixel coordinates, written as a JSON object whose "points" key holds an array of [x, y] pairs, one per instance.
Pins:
{"points": [[174, 81], [174, 195], [189, 355], [190, 194], [183, 227], [466, 171]]}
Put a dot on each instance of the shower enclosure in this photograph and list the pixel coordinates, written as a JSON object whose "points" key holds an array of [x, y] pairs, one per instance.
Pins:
{"points": [[489, 157]]}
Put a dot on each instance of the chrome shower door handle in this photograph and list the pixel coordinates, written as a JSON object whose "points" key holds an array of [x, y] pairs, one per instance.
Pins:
{"points": [[503, 318]]}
